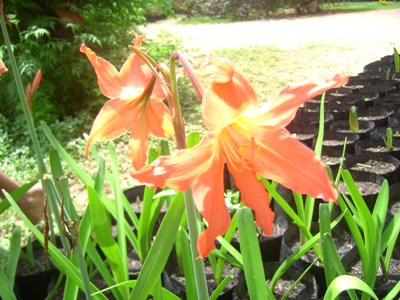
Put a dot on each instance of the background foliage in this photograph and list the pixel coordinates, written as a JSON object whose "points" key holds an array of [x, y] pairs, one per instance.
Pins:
{"points": [[43, 38]]}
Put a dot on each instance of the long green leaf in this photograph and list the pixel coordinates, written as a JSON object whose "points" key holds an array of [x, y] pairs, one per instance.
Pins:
{"points": [[332, 264], [367, 221], [13, 255], [326, 246], [61, 183], [393, 293], [389, 239], [160, 250], [186, 256], [6, 288], [252, 262], [347, 282], [121, 238], [17, 194], [220, 288], [165, 294], [102, 228]]}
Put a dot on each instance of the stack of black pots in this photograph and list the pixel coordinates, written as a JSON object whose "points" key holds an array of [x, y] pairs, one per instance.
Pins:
{"points": [[375, 93]]}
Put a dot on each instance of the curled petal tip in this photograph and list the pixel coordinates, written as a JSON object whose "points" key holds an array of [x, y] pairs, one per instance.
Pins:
{"points": [[137, 41]]}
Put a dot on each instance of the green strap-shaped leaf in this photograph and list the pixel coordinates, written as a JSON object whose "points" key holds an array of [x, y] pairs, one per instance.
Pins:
{"points": [[160, 250], [108, 245], [6, 288], [347, 282], [252, 262]]}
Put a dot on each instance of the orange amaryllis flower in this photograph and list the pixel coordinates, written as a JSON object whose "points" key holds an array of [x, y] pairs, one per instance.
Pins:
{"points": [[3, 68], [136, 104], [251, 141]]}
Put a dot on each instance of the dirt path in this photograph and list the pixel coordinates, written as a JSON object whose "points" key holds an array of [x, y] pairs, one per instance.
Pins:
{"points": [[361, 37], [377, 27]]}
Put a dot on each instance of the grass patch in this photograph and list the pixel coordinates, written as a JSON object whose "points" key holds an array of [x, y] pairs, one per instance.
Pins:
{"points": [[202, 20], [359, 6]]}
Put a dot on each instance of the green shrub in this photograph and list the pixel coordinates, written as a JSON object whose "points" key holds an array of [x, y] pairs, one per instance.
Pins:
{"points": [[41, 39]]}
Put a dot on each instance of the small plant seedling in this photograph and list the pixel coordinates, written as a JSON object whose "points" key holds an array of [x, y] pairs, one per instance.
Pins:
{"points": [[396, 59], [353, 120], [389, 138]]}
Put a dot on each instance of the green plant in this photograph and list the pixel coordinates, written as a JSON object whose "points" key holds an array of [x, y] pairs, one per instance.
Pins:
{"points": [[396, 59], [42, 37], [374, 241], [353, 119], [389, 138]]}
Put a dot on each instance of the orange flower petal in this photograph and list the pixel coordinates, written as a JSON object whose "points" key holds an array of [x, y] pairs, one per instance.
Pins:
{"points": [[3, 68], [286, 160], [254, 196], [181, 170], [138, 144], [229, 97], [114, 119], [282, 110], [134, 72], [107, 74], [161, 120], [208, 195]]}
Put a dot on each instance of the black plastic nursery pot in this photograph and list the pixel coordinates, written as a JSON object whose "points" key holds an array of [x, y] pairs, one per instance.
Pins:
{"points": [[338, 111], [312, 118], [364, 128], [336, 140], [376, 163], [35, 282], [378, 115], [305, 134], [378, 146], [379, 133], [380, 86]]}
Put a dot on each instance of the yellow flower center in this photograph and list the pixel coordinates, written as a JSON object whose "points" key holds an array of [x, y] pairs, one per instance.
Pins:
{"points": [[239, 146]]}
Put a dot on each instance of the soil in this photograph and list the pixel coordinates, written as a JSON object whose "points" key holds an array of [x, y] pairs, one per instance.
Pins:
{"points": [[379, 167]]}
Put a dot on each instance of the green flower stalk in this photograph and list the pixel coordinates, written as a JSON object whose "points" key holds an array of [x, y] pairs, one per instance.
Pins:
{"points": [[353, 120]]}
